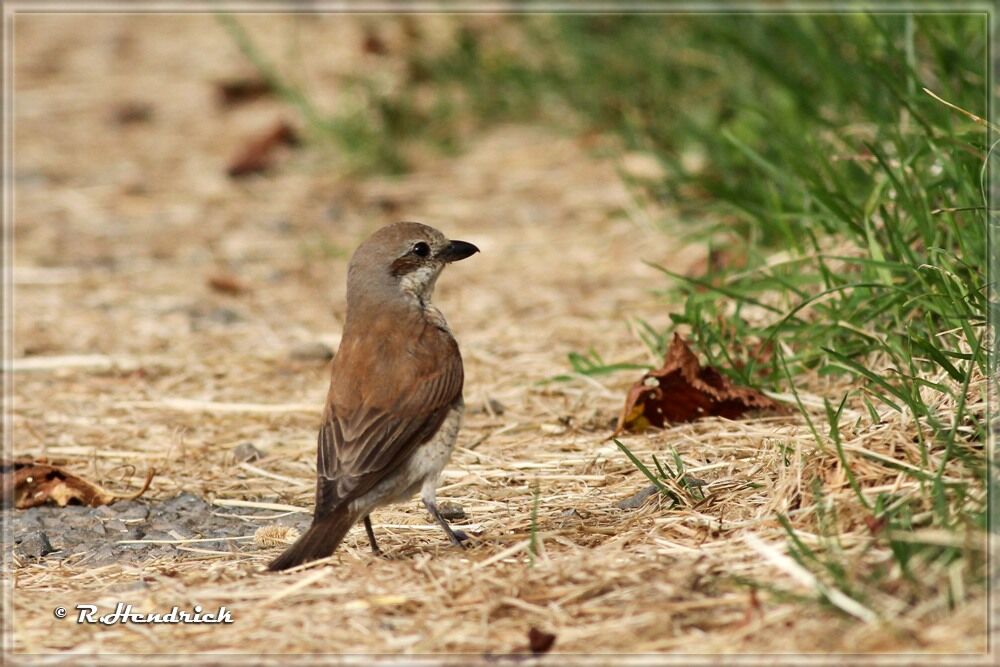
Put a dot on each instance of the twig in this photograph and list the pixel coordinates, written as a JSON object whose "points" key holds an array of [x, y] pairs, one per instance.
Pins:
{"points": [[187, 541], [145, 485], [262, 506], [506, 553], [264, 473]]}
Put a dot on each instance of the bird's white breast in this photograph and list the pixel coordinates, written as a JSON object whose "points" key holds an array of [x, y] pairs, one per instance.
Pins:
{"points": [[421, 472]]}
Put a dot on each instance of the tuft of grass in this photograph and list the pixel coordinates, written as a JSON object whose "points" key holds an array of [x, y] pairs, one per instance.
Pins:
{"points": [[591, 364], [680, 488]]}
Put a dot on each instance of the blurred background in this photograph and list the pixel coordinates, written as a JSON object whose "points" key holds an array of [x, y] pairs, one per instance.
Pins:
{"points": [[745, 135]]}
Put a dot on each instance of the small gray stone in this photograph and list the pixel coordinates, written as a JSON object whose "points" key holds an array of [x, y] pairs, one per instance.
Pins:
{"points": [[214, 546], [154, 535], [131, 510], [632, 502], [245, 452], [76, 511], [113, 526], [68, 538], [493, 407], [134, 533], [184, 502], [26, 520], [162, 524], [314, 351], [34, 545], [162, 550], [103, 555], [87, 521], [451, 511]]}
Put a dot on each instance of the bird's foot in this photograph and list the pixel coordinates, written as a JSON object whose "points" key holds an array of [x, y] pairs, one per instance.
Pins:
{"points": [[371, 538], [456, 537]]}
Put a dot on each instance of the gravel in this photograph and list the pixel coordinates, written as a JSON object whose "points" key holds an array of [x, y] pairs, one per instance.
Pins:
{"points": [[33, 545], [93, 535]]}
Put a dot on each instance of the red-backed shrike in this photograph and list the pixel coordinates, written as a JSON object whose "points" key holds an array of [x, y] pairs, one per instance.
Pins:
{"points": [[395, 401]]}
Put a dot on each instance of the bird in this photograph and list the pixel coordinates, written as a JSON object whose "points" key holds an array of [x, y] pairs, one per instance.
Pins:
{"points": [[394, 406]]}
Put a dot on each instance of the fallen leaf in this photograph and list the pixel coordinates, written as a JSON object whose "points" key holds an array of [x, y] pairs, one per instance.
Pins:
{"points": [[374, 44], [539, 641], [259, 154], [753, 609], [682, 390], [232, 92], [227, 284], [36, 483], [875, 525]]}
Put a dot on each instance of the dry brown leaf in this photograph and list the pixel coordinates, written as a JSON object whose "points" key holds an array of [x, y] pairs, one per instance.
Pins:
{"points": [[232, 92], [259, 154], [682, 390], [540, 641], [374, 44], [36, 483], [227, 284]]}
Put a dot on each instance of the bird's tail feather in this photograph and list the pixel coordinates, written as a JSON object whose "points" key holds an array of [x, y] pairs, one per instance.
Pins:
{"points": [[319, 541]]}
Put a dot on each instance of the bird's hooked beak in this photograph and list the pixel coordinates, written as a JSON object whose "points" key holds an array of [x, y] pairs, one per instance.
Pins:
{"points": [[456, 250]]}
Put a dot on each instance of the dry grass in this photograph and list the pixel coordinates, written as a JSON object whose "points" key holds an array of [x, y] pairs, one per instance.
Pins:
{"points": [[118, 231]]}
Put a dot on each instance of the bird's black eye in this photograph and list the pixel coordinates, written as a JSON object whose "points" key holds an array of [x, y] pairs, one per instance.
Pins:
{"points": [[421, 249]]}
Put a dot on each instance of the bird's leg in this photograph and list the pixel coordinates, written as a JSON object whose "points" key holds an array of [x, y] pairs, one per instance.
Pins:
{"points": [[455, 536], [371, 536]]}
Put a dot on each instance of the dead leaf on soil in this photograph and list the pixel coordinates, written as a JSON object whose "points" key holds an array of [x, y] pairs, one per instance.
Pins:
{"points": [[682, 390], [227, 284], [374, 44], [37, 483], [260, 153], [540, 641], [232, 92]]}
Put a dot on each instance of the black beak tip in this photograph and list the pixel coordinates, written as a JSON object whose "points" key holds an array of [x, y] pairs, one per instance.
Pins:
{"points": [[457, 250]]}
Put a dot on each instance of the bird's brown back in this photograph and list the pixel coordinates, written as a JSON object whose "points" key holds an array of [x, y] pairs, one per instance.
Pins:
{"points": [[389, 393]]}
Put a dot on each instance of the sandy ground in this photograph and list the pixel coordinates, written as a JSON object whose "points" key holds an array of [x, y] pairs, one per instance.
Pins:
{"points": [[119, 228]]}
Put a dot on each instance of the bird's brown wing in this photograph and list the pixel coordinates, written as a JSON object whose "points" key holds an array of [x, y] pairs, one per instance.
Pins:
{"points": [[363, 442]]}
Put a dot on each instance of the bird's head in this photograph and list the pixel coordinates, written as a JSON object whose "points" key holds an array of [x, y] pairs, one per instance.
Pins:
{"points": [[402, 259]]}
